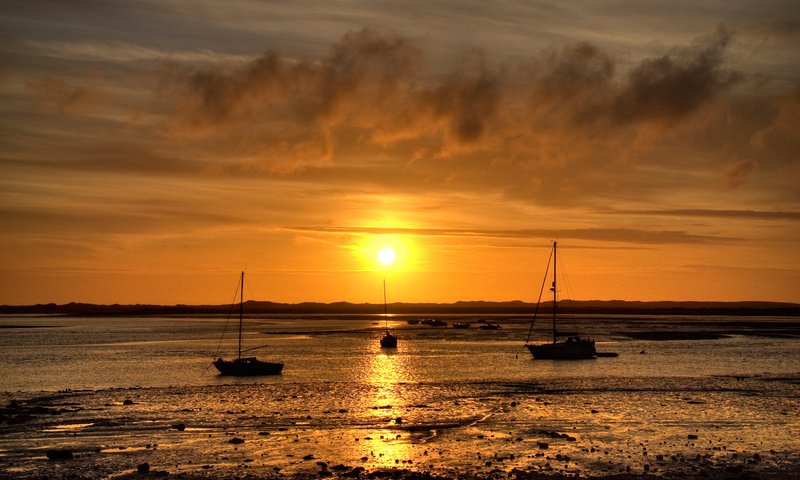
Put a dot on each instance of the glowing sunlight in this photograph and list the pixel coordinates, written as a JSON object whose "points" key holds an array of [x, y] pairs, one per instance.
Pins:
{"points": [[387, 256]]}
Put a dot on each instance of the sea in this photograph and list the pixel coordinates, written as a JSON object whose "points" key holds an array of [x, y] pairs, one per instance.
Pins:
{"points": [[685, 394]]}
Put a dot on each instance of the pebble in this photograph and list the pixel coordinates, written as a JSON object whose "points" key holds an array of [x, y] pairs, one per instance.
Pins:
{"points": [[60, 454]]}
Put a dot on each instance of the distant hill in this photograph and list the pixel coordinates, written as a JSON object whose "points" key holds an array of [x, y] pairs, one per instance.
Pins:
{"points": [[463, 308]]}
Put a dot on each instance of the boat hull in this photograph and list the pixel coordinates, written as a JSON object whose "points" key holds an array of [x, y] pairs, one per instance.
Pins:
{"points": [[582, 350], [389, 341], [247, 367]]}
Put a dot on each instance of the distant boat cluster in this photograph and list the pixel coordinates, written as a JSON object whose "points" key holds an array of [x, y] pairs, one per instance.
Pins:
{"points": [[573, 347]]}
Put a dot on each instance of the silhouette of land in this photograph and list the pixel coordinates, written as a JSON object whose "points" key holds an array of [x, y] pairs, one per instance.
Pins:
{"points": [[609, 307]]}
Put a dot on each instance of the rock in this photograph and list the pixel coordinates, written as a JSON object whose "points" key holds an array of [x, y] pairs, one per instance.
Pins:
{"points": [[308, 457], [355, 472], [692, 437], [398, 420], [179, 427], [20, 418], [56, 454], [127, 401], [236, 441], [543, 445], [144, 468]]}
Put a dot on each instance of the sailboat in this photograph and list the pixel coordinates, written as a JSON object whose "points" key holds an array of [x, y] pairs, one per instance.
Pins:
{"points": [[573, 347], [388, 340], [245, 366]]}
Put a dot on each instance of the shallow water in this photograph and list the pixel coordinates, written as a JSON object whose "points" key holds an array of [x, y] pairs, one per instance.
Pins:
{"points": [[92, 353], [458, 402]]}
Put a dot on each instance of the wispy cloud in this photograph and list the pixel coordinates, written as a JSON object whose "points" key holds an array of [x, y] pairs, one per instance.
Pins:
{"points": [[647, 237], [704, 213], [122, 52]]}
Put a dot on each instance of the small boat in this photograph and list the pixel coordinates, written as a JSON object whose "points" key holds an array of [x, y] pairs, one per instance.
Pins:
{"points": [[245, 366], [574, 347], [388, 340], [490, 326], [412, 321], [461, 325], [434, 322]]}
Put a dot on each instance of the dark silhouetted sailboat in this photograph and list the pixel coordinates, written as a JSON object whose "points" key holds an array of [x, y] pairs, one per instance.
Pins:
{"points": [[388, 340], [573, 347], [245, 366]]}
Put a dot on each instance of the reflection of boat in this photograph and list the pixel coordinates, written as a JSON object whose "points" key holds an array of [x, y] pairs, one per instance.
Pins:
{"points": [[461, 325], [249, 366], [388, 340], [434, 322], [490, 326], [574, 347]]}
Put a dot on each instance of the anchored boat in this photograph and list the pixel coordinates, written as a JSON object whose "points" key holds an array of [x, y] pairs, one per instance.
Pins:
{"points": [[245, 366]]}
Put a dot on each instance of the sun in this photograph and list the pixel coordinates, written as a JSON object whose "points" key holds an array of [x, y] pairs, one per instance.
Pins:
{"points": [[387, 255]]}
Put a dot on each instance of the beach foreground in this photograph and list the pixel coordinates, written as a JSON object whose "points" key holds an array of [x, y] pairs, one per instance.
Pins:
{"points": [[638, 428]]}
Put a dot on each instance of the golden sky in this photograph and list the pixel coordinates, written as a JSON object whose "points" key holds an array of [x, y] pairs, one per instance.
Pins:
{"points": [[149, 151]]}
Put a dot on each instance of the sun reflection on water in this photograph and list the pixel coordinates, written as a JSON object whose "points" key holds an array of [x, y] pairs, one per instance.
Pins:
{"points": [[390, 445]]}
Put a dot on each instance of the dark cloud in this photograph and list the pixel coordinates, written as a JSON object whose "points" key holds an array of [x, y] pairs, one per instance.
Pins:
{"points": [[371, 79], [738, 173], [467, 100], [788, 26], [575, 69], [552, 127], [363, 66], [777, 141], [671, 86]]}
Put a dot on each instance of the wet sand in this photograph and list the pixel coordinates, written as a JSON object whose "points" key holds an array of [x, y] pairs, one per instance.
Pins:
{"points": [[743, 428]]}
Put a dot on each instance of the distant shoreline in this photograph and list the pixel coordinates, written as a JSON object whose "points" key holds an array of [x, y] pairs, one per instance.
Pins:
{"points": [[597, 307]]}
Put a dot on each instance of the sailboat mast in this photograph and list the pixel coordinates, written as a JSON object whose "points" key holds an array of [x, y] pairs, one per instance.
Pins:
{"points": [[241, 313], [385, 314], [555, 270]]}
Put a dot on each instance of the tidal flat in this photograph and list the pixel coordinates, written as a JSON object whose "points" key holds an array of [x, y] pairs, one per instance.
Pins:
{"points": [[92, 398], [736, 427]]}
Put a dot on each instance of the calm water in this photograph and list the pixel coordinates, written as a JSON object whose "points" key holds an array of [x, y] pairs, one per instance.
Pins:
{"points": [[94, 353]]}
